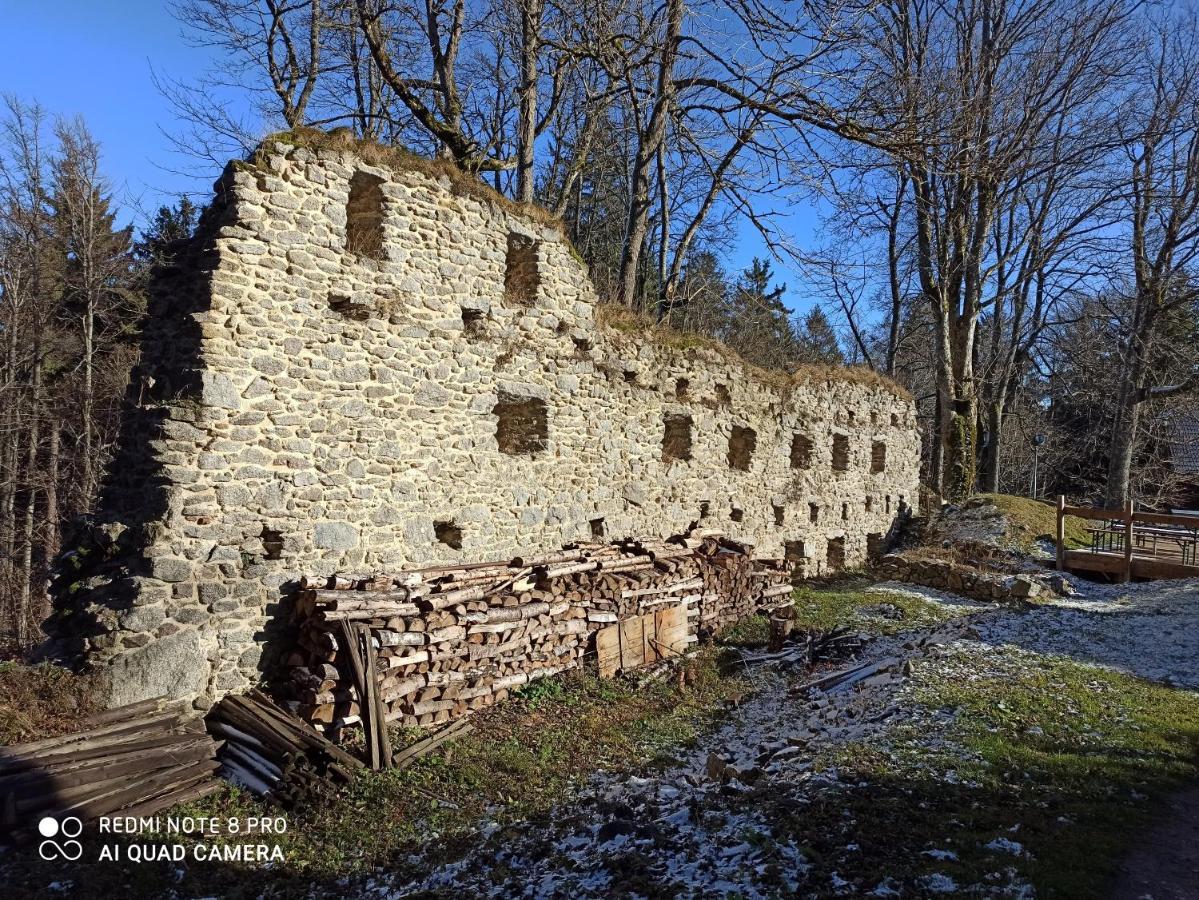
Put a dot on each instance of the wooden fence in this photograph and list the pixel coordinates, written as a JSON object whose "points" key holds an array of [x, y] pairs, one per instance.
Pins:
{"points": [[1128, 544]]}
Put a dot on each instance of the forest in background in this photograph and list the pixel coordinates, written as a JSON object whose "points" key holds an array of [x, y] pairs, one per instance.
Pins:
{"points": [[1009, 192]]}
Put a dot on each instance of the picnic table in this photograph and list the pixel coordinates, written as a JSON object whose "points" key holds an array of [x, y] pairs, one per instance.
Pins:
{"points": [[1109, 537]]}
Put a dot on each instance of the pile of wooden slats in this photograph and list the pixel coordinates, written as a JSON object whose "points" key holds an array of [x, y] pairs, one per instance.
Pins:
{"points": [[424, 646], [135, 760], [272, 753]]}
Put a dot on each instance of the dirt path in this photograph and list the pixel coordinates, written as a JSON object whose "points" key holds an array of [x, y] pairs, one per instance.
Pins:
{"points": [[1164, 865], [722, 821]]}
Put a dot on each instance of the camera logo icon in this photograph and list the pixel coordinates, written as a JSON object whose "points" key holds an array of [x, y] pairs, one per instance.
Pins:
{"points": [[68, 829]]}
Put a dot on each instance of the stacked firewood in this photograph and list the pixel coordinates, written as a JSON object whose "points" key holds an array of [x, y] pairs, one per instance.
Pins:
{"points": [[272, 753], [425, 646], [135, 759]]}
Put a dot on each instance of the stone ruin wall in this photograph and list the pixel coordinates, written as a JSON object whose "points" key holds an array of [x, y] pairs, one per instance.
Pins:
{"points": [[440, 391]]}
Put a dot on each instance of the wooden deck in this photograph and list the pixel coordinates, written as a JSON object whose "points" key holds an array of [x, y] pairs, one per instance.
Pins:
{"points": [[1127, 544]]}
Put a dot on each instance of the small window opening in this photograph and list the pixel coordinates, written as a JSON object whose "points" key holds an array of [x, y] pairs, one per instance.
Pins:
{"points": [[521, 275], [840, 452], [779, 515], [676, 438], [793, 551], [737, 514], [742, 443], [364, 216], [849, 415], [582, 345], [449, 534], [878, 457], [844, 512], [814, 513], [894, 420], [472, 320], [680, 389], [272, 543], [869, 504], [597, 528], [346, 306], [630, 376], [874, 418], [704, 507], [801, 452], [835, 555], [522, 424], [722, 394]]}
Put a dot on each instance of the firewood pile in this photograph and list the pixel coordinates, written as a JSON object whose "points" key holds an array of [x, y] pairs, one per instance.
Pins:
{"points": [[135, 760], [424, 646], [272, 753]]}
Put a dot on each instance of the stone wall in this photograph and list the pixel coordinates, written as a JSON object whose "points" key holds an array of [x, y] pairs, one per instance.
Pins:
{"points": [[359, 367]]}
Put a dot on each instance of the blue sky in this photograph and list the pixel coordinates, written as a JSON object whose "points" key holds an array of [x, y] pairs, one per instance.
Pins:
{"points": [[97, 59]]}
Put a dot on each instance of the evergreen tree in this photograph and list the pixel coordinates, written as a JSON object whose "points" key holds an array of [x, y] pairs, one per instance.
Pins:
{"points": [[171, 224], [757, 324], [818, 341]]}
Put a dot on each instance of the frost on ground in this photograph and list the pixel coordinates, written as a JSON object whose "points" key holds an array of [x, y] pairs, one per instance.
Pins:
{"points": [[739, 814], [1148, 629]]}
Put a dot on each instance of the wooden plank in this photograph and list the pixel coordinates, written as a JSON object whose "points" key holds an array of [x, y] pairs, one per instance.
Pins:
{"points": [[674, 636], [1086, 512], [1094, 562], [1145, 567], [378, 719], [1148, 518], [1128, 526], [607, 650], [649, 639], [1061, 532], [358, 671], [631, 640]]}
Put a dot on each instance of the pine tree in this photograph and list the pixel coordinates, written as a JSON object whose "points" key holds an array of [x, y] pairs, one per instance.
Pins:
{"points": [[757, 324], [818, 341], [171, 224]]}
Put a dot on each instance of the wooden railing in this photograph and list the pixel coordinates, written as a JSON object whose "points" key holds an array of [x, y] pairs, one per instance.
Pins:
{"points": [[1170, 541]]}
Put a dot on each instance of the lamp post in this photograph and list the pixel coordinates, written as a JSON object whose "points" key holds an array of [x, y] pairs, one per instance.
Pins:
{"points": [[1037, 440]]}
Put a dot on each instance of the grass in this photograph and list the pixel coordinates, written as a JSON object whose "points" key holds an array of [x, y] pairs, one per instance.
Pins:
{"points": [[41, 701], [1032, 520], [848, 603], [400, 158], [616, 318], [523, 757], [1067, 760], [629, 322]]}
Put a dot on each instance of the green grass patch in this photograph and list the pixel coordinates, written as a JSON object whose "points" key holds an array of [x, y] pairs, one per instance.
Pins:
{"points": [[1030, 520], [854, 604], [524, 756], [1067, 760]]}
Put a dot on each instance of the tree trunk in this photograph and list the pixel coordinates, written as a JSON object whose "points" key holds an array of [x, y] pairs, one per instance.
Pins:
{"points": [[526, 133], [87, 401], [25, 604], [989, 463], [1128, 415], [647, 149]]}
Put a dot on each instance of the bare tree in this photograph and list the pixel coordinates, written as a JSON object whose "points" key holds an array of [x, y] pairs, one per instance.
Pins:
{"points": [[1161, 184]]}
